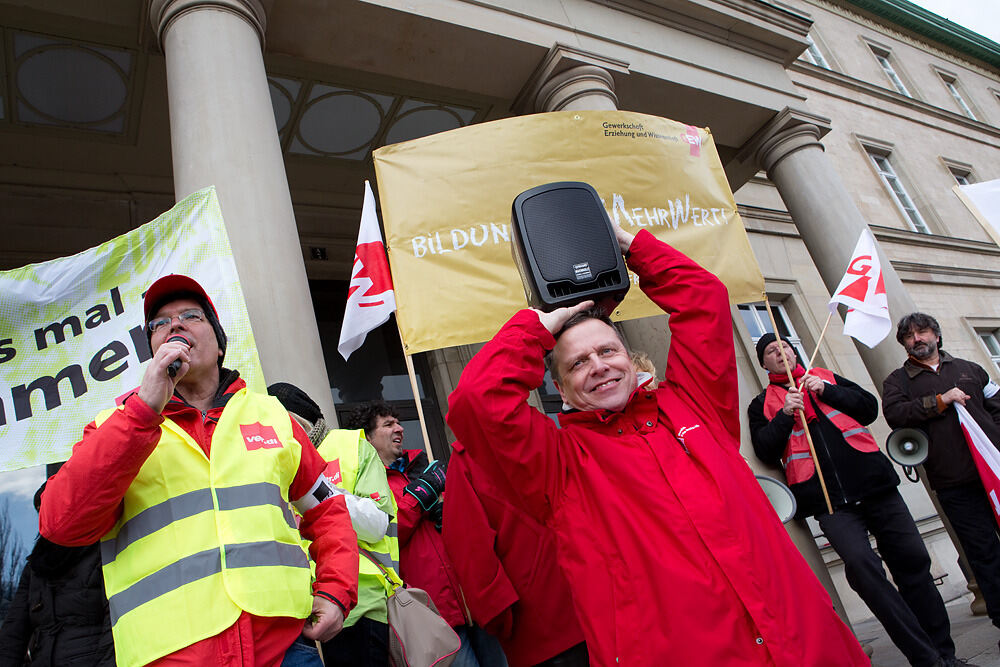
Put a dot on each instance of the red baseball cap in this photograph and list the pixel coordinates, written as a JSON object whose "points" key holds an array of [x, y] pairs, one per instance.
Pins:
{"points": [[174, 283]]}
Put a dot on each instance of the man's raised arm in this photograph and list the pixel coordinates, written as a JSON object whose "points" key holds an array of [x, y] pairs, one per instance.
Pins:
{"points": [[702, 357]]}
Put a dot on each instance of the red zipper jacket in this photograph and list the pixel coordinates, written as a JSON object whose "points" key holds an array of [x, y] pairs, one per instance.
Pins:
{"points": [[83, 500], [506, 563], [423, 561], [671, 548]]}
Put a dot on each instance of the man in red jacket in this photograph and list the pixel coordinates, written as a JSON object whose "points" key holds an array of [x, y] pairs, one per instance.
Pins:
{"points": [[673, 552], [188, 482], [423, 562], [506, 563]]}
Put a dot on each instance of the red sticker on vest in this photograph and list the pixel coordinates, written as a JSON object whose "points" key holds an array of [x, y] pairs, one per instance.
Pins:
{"points": [[375, 496], [332, 471], [258, 436]]}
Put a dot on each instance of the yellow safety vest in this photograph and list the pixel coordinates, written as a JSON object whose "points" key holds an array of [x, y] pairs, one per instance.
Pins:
{"points": [[340, 449], [201, 540]]}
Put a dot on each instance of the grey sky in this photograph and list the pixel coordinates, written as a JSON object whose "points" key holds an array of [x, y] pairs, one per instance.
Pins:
{"points": [[982, 16]]}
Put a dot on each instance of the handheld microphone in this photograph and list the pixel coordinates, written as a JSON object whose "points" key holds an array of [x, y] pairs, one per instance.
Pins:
{"points": [[175, 365]]}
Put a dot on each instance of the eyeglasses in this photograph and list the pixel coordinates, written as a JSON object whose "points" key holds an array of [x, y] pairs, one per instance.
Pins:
{"points": [[187, 317]]}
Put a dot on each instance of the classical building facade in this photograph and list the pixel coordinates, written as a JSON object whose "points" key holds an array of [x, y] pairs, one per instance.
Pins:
{"points": [[828, 116]]}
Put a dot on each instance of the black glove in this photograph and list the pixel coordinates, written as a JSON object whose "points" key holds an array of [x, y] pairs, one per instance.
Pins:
{"points": [[435, 474], [436, 514], [428, 485]]}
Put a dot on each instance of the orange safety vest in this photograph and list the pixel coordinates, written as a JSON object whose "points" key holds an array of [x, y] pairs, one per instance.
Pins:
{"points": [[799, 466]]}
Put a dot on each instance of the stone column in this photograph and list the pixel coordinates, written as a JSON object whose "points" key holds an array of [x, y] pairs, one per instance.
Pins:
{"points": [[580, 88], [223, 133], [826, 217]]}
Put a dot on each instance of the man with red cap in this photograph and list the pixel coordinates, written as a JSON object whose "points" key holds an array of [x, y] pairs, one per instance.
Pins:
{"points": [[187, 484]]}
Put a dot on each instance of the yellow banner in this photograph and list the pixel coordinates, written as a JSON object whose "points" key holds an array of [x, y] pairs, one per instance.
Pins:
{"points": [[446, 205]]}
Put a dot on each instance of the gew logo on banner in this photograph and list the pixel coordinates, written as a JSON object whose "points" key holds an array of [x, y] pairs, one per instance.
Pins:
{"points": [[258, 436]]}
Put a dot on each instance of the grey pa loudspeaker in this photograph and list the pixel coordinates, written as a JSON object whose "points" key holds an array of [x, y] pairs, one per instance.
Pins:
{"points": [[907, 446], [565, 249], [781, 497]]}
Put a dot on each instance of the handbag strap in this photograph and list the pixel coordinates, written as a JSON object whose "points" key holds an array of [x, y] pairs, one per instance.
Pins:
{"points": [[390, 580]]}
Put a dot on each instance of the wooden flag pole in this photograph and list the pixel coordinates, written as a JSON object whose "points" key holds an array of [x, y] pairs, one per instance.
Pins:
{"points": [[821, 334], [802, 413], [416, 396]]}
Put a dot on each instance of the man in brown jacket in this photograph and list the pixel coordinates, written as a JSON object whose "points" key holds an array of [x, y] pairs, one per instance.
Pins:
{"points": [[921, 394]]}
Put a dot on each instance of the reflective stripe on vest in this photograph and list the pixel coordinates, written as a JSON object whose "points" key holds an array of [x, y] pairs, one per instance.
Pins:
{"points": [[202, 540], [203, 564], [798, 462], [385, 559], [343, 446], [159, 516]]}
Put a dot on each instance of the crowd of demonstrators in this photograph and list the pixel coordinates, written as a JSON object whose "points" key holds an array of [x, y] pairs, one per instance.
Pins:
{"points": [[419, 486], [632, 533], [862, 487], [186, 484], [922, 394], [672, 550], [355, 470], [59, 615]]}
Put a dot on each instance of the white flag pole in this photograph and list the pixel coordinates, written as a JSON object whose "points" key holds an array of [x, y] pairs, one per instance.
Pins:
{"points": [[812, 359]]}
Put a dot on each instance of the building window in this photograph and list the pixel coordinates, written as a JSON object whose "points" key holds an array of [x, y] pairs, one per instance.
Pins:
{"points": [[992, 343], [813, 55], [899, 193], [758, 323], [882, 56], [962, 177], [951, 83]]}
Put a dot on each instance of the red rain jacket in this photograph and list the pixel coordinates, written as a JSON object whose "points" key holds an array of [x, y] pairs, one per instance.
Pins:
{"points": [[670, 546], [423, 562], [506, 564]]}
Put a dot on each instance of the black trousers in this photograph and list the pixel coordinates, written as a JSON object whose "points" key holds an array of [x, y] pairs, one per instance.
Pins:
{"points": [[969, 512], [364, 644], [914, 616]]}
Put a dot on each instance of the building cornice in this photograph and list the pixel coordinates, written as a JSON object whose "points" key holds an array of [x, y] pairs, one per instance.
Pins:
{"points": [[928, 24]]}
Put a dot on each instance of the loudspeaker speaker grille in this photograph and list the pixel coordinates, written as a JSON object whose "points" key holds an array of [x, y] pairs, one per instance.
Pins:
{"points": [[574, 235]]}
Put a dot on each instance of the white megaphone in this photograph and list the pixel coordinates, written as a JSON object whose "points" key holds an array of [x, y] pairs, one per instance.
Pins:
{"points": [[907, 447], [781, 497]]}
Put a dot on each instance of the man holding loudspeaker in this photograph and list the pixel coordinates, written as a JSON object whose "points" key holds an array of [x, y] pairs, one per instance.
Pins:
{"points": [[922, 394], [862, 487], [672, 550]]}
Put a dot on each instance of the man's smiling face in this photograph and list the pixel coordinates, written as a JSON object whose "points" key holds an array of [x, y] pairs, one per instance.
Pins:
{"points": [[595, 371]]}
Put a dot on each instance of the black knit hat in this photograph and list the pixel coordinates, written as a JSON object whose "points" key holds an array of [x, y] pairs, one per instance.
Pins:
{"points": [[766, 340], [295, 400]]}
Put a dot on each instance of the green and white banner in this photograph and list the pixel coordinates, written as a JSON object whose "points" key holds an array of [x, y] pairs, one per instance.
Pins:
{"points": [[71, 329]]}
